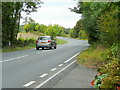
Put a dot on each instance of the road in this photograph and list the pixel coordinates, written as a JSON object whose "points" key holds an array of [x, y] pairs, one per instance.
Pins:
{"points": [[33, 68]]}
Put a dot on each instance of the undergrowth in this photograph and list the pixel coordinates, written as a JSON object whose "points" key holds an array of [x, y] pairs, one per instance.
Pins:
{"points": [[94, 56], [105, 60]]}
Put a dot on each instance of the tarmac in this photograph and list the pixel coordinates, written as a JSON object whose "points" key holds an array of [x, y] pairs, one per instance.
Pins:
{"points": [[78, 77]]}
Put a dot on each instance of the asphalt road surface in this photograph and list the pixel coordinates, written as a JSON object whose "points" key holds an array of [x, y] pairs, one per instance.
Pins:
{"points": [[34, 68]]}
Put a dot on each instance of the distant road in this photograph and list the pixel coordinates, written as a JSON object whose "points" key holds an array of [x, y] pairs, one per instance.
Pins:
{"points": [[28, 68]]}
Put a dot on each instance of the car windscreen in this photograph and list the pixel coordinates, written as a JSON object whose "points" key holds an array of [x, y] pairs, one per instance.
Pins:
{"points": [[44, 38]]}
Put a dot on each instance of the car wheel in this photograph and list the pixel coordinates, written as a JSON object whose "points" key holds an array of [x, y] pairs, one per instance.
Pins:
{"points": [[37, 48], [55, 47], [50, 47]]}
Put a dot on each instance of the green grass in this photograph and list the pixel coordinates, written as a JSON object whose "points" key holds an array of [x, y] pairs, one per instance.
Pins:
{"points": [[93, 57], [31, 45], [61, 42], [16, 48]]}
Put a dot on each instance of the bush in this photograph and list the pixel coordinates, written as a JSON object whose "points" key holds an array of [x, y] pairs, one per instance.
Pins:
{"points": [[83, 34], [73, 33], [112, 69], [113, 78], [25, 42], [94, 56]]}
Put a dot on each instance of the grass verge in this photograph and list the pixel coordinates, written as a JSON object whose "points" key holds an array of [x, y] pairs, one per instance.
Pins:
{"points": [[107, 62], [9, 49], [61, 42], [23, 45], [93, 57]]}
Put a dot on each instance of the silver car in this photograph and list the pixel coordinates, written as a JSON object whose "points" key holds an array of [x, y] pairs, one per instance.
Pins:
{"points": [[46, 42]]}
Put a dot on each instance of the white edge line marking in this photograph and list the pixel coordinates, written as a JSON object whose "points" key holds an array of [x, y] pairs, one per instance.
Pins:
{"points": [[71, 58], [60, 65], [14, 58], [28, 84], [45, 74], [54, 75], [53, 69]]}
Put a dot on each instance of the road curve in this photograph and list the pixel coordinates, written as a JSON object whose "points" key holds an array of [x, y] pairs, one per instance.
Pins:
{"points": [[22, 68]]}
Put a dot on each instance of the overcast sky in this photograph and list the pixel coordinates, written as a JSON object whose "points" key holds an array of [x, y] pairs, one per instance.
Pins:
{"points": [[56, 12]]}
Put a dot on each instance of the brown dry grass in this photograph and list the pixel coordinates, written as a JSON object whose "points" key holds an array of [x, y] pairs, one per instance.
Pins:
{"points": [[27, 35]]}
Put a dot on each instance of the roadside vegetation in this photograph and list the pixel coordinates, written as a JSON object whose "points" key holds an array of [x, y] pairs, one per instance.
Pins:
{"points": [[11, 27], [12, 13], [27, 41], [61, 42], [100, 22]]}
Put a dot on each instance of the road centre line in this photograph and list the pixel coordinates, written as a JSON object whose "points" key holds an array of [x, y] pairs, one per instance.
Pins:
{"points": [[53, 69], [45, 74], [13, 58], [71, 58], [60, 65], [55, 75], [28, 84]]}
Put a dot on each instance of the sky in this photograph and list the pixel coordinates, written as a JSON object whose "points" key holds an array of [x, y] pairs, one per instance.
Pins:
{"points": [[56, 12]]}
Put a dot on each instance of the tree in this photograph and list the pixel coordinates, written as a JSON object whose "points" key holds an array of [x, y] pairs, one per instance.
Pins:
{"points": [[77, 28], [91, 11], [50, 31], [109, 26], [41, 28], [73, 33], [11, 14]]}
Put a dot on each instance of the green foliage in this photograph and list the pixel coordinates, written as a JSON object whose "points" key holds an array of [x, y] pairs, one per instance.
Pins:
{"points": [[83, 34], [31, 26], [73, 33], [94, 56], [51, 30], [21, 44], [25, 42], [41, 28], [107, 62], [108, 27], [55, 30], [77, 28], [98, 79], [114, 50], [77, 31], [11, 14], [100, 21], [113, 78], [60, 41]]}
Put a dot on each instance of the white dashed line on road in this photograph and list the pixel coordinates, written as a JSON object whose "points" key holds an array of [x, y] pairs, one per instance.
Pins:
{"points": [[40, 85], [45, 74], [28, 84], [71, 58], [14, 58], [60, 65], [53, 69]]}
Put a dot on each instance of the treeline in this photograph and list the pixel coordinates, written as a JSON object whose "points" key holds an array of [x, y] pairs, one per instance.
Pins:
{"points": [[51, 30], [54, 30], [100, 20], [77, 31], [11, 15]]}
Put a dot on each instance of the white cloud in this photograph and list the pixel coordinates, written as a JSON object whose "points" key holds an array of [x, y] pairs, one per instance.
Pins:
{"points": [[56, 12]]}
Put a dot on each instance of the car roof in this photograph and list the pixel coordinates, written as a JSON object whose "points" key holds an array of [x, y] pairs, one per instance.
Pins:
{"points": [[45, 36]]}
